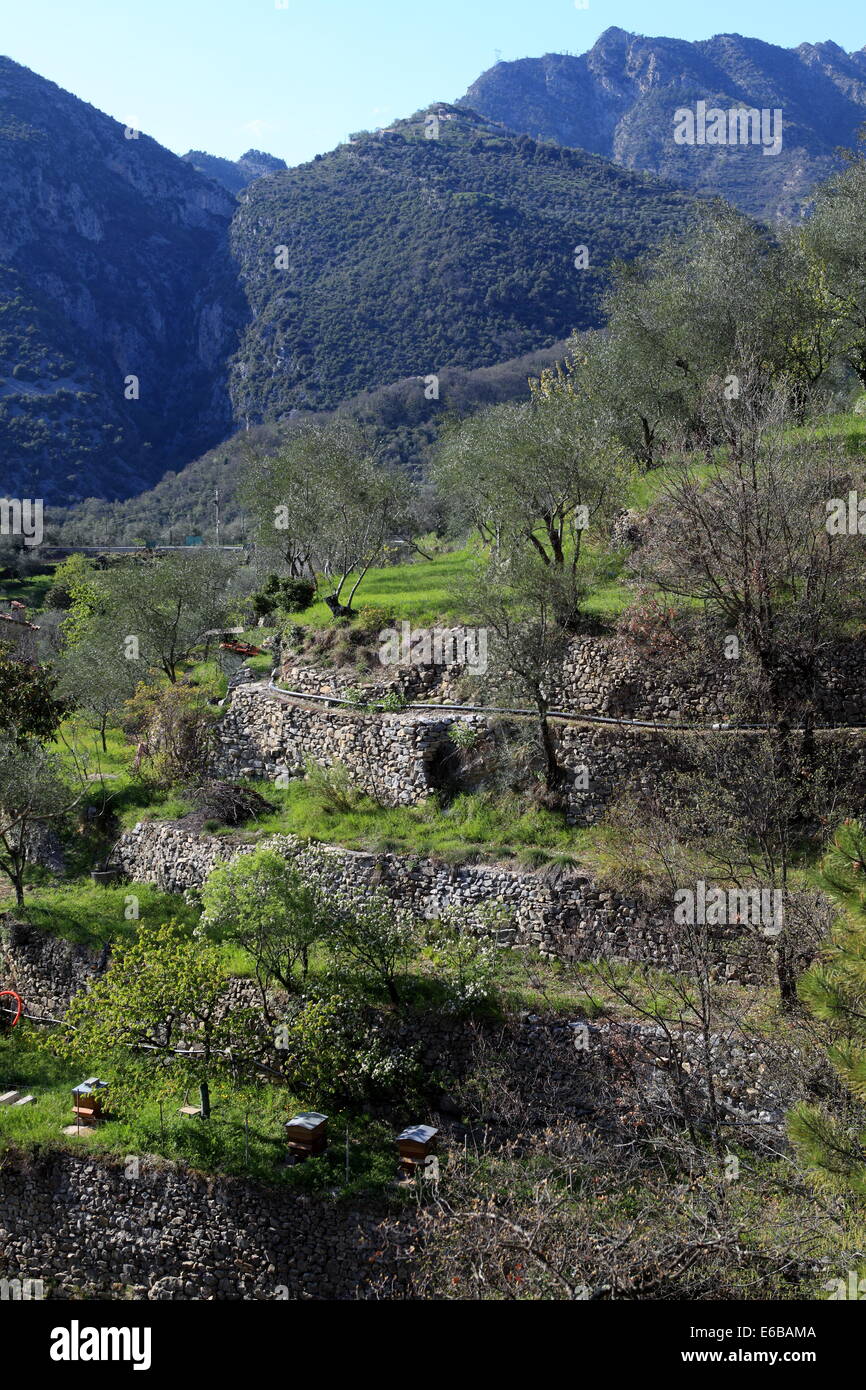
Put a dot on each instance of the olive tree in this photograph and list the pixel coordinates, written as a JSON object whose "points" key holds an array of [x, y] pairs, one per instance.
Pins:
{"points": [[835, 238], [33, 794], [327, 504], [540, 474], [155, 613], [746, 541]]}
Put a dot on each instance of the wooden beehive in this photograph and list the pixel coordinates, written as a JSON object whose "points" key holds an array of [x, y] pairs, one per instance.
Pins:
{"points": [[88, 1101], [307, 1134], [416, 1144]]}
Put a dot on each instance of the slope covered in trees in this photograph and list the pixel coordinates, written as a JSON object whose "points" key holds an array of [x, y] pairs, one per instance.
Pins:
{"points": [[113, 265], [400, 255]]}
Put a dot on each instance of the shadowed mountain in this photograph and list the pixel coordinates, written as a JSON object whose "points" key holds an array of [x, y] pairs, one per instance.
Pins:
{"points": [[119, 304]]}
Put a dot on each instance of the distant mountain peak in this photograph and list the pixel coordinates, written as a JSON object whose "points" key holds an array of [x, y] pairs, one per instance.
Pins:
{"points": [[612, 32], [235, 175], [618, 100]]}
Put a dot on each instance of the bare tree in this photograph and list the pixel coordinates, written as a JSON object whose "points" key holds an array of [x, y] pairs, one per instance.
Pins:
{"points": [[745, 537], [33, 794]]}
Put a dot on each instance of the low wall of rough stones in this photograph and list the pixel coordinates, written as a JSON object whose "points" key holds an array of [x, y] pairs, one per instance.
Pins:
{"points": [[403, 759], [604, 675], [390, 756], [46, 971], [85, 1227], [601, 676], [565, 915]]}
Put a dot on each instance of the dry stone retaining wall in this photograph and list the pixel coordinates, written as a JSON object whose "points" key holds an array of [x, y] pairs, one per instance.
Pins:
{"points": [[84, 1227], [402, 759], [46, 971], [390, 756], [601, 676], [565, 916]]}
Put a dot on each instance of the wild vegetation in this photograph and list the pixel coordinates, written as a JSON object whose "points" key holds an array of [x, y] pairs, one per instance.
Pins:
{"points": [[719, 419]]}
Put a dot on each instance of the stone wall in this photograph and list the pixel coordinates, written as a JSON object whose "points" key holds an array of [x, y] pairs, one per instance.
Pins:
{"points": [[86, 1227], [46, 971], [606, 676], [428, 668], [601, 676], [402, 759], [563, 915], [394, 757], [620, 756]]}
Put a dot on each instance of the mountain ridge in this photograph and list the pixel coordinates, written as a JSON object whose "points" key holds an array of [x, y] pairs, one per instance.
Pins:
{"points": [[617, 99], [406, 251]]}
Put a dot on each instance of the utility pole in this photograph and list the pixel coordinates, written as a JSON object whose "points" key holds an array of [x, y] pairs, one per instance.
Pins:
{"points": [[216, 503]]}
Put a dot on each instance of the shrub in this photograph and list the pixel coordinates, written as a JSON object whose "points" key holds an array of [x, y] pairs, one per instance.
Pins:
{"points": [[467, 965], [335, 1050], [261, 902], [283, 595], [394, 702], [371, 941], [175, 728], [372, 620], [296, 595], [331, 787], [464, 736]]}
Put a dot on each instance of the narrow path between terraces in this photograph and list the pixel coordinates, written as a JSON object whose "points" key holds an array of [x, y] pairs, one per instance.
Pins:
{"points": [[576, 718]]}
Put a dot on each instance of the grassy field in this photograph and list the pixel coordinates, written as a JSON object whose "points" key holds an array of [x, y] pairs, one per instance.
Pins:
{"points": [[244, 1136], [422, 592], [92, 915], [30, 591], [472, 828]]}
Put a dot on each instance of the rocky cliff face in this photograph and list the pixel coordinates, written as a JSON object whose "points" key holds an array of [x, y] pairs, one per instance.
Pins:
{"points": [[619, 98], [113, 266]]}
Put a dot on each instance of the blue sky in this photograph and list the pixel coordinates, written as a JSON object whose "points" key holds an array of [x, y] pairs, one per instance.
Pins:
{"points": [[225, 75]]}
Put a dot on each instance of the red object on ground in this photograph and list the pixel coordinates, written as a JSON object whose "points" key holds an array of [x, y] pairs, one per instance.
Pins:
{"points": [[242, 648], [12, 995]]}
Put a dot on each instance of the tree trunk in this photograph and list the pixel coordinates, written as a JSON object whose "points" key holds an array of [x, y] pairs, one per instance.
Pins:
{"points": [[552, 770], [338, 609], [786, 977]]}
